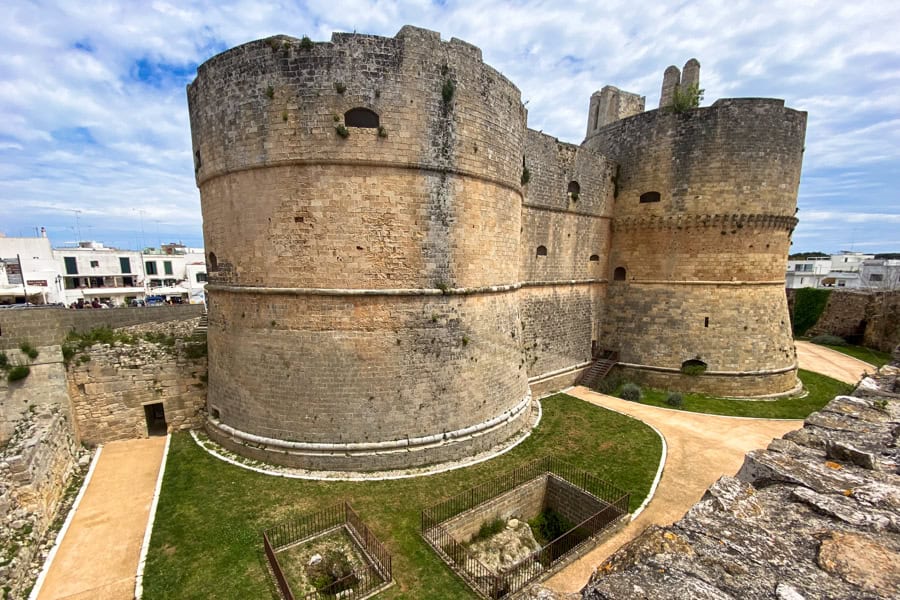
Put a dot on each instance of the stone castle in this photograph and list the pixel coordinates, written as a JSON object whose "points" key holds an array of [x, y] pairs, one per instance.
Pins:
{"points": [[397, 263]]}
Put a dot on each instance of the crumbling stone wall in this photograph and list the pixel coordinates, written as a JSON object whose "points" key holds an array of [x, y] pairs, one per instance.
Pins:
{"points": [[111, 384], [36, 465], [868, 318], [44, 387], [812, 516]]}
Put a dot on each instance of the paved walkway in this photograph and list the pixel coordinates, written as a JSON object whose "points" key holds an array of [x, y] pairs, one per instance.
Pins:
{"points": [[99, 554], [832, 363], [701, 449]]}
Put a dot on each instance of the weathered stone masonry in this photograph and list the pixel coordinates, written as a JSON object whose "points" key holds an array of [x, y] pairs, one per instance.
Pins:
{"points": [[383, 297]]}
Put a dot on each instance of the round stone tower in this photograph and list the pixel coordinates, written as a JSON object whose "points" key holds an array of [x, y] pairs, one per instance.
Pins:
{"points": [[704, 212], [361, 207]]}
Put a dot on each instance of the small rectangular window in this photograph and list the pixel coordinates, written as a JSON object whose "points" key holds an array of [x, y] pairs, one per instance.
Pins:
{"points": [[125, 265], [876, 277], [167, 267], [95, 264], [706, 321], [150, 267], [71, 265], [201, 277]]}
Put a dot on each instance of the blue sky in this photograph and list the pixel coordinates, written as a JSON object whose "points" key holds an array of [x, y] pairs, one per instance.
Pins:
{"points": [[94, 132]]}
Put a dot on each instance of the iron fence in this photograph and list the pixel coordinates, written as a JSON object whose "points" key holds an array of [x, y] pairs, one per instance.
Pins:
{"points": [[494, 585], [376, 573]]}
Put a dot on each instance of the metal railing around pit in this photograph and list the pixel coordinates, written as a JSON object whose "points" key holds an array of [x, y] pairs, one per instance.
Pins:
{"points": [[493, 585], [376, 573]]}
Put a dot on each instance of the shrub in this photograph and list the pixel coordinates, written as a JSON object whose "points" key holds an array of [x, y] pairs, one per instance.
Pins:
{"points": [[270, 92], [608, 385], [448, 90], [809, 303], [342, 131], [4, 360], [488, 529], [29, 350], [195, 350], [549, 525], [382, 132], [306, 43], [675, 399], [526, 175], [17, 373], [693, 367], [686, 98], [630, 391], [826, 339], [339, 87]]}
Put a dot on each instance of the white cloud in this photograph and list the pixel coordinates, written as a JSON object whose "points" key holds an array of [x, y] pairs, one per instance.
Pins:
{"points": [[67, 69]]}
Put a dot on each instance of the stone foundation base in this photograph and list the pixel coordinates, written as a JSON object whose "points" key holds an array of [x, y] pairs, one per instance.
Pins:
{"points": [[440, 448], [737, 385]]}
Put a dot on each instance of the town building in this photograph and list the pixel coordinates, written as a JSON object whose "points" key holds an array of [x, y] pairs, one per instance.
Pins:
{"points": [[28, 271]]}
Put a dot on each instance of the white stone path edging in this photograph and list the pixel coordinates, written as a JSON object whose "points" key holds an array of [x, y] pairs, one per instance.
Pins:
{"points": [[39, 583], [662, 457], [380, 476], [148, 531]]}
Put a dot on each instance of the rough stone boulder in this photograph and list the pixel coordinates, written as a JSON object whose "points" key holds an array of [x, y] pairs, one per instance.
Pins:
{"points": [[815, 515]]}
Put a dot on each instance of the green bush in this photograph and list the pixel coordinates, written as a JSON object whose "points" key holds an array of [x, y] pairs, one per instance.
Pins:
{"points": [[826, 339], [630, 391], [686, 98], [17, 373], [675, 399], [526, 175], [488, 529], [549, 525], [448, 90], [29, 350], [608, 385], [809, 303], [306, 43], [4, 360], [342, 130]]}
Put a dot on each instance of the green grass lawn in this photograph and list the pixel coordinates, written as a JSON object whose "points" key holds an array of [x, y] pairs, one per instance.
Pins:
{"points": [[873, 357], [821, 390], [206, 541]]}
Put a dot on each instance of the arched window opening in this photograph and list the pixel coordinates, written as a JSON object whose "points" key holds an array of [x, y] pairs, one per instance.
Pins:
{"points": [[693, 367], [542, 250], [361, 117], [650, 197], [213, 262], [574, 190], [594, 258], [619, 274]]}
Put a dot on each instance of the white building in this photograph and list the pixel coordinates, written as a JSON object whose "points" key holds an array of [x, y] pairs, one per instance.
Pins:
{"points": [[807, 272], [838, 270], [28, 271], [880, 275], [94, 272], [176, 273]]}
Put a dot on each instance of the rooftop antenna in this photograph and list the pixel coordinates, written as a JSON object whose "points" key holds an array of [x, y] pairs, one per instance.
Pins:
{"points": [[77, 225]]}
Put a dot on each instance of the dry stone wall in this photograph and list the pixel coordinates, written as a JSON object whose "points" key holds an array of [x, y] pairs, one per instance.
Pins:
{"points": [[860, 317], [44, 387], [812, 516]]}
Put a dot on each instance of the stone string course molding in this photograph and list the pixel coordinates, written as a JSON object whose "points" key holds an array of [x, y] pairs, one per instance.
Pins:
{"points": [[707, 221], [815, 515]]}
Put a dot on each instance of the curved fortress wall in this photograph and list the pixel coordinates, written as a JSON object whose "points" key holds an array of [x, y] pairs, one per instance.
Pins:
{"points": [[703, 218], [363, 311], [566, 228]]}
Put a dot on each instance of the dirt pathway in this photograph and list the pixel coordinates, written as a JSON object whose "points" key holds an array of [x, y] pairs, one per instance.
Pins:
{"points": [[701, 449], [99, 554], [826, 361]]}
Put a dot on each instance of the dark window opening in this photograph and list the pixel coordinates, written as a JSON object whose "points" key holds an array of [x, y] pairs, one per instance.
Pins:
{"points": [[650, 197], [95, 264], [594, 258], [128, 281], [876, 277], [214, 412], [201, 277], [619, 274], [213, 262], [71, 265], [197, 161], [693, 367], [542, 250], [574, 190], [706, 321], [155, 415], [125, 264], [150, 267], [167, 266], [361, 117]]}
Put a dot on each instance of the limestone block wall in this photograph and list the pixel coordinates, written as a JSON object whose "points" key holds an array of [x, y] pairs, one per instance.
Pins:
{"points": [[523, 502], [704, 212], [109, 391], [36, 464], [361, 285], [563, 252], [868, 318], [44, 387]]}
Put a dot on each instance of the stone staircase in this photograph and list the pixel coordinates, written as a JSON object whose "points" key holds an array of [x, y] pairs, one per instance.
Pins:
{"points": [[600, 368], [203, 325]]}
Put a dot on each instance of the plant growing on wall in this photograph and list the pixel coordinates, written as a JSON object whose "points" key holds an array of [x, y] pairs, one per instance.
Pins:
{"points": [[306, 43], [270, 92], [18, 372], [809, 303], [448, 90], [686, 98], [526, 176], [342, 131], [339, 87]]}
